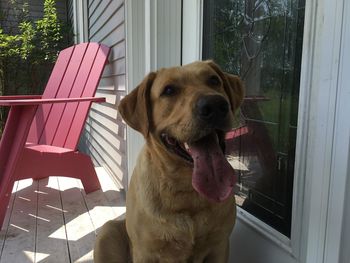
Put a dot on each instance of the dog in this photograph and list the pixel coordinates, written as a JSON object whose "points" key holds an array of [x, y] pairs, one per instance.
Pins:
{"points": [[179, 205]]}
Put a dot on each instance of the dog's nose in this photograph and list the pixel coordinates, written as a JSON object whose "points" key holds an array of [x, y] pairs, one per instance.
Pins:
{"points": [[212, 108]]}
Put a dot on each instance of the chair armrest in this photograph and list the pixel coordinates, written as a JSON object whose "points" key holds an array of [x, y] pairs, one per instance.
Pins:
{"points": [[23, 102]]}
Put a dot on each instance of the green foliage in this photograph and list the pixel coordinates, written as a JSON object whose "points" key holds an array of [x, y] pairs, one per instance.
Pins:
{"points": [[49, 31], [27, 39], [29, 49], [38, 41], [9, 45]]}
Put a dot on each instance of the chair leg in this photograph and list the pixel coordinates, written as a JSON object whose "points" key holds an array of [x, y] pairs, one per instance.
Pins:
{"points": [[4, 202], [86, 173], [11, 149]]}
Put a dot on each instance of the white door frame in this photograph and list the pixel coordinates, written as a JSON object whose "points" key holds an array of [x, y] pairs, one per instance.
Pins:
{"points": [[322, 153], [326, 84], [80, 21], [148, 38]]}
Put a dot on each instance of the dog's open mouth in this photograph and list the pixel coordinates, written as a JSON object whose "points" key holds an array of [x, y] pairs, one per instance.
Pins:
{"points": [[213, 176], [180, 149]]}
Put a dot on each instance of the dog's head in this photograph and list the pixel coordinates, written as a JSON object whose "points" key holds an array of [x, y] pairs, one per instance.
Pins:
{"points": [[188, 110]]}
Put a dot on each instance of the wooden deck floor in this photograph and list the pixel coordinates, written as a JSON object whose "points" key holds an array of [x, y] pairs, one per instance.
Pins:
{"points": [[53, 220]]}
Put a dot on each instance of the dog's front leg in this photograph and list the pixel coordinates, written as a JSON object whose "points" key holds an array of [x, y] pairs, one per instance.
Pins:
{"points": [[219, 253]]}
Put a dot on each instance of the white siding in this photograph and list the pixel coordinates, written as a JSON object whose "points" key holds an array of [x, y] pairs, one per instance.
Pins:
{"points": [[105, 136]]}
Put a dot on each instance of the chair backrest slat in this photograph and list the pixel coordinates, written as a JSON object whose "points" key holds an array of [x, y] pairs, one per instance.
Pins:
{"points": [[56, 124], [77, 91], [90, 90], [67, 83], [51, 90]]}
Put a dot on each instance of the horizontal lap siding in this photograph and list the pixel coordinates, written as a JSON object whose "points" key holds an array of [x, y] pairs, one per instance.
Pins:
{"points": [[36, 8], [70, 12], [104, 135]]}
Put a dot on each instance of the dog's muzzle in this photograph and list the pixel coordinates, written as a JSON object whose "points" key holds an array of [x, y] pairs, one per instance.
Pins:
{"points": [[212, 110], [212, 177]]}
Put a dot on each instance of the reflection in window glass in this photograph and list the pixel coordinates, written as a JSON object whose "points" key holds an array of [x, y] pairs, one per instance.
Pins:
{"points": [[261, 40]]}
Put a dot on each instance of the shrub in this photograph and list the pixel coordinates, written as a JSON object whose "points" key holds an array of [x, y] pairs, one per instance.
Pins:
{"points": [[28, 51]]}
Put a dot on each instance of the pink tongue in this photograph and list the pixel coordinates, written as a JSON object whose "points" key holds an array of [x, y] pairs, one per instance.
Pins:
{"points": [[213, 176]]}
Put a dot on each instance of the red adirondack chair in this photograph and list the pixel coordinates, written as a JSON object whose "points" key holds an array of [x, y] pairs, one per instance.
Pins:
{"points": [[42, 132]]}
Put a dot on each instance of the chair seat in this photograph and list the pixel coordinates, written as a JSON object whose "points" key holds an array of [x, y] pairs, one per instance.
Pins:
{"points": [[42, 148]]}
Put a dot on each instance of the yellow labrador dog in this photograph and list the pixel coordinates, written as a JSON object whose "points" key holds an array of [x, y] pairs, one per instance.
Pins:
{"points": [[180, 206]]}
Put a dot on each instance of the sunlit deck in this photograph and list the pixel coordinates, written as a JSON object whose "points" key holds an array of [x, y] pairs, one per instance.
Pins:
{"points": [[53, 220]]}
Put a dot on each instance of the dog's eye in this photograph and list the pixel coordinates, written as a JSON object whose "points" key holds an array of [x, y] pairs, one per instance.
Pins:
{"points": [[214, 80], [169, 90]]}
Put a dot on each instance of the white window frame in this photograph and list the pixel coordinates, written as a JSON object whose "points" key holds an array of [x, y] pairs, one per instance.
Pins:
{"points": [[322, 150], [318, 189]]}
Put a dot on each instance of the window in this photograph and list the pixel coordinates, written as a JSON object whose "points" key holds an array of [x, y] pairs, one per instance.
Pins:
{"points": [[261, 40]]}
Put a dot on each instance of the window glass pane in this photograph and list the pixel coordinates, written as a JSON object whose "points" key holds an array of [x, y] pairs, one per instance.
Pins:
{"points": [[261, 40]]}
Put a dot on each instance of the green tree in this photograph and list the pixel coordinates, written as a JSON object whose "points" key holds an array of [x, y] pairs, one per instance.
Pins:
{"points": [[29, 50], [49, 30]]}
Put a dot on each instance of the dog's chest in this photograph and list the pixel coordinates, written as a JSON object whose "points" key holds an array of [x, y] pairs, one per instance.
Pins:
{"points": [[204, 217], [204, 221]]}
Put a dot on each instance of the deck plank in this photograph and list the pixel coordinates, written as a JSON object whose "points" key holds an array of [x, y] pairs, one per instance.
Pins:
{"points": [[5, 225], [105, 204], [114, 195], [53, 220], [52, 243], [79, 227], [20, 240]]}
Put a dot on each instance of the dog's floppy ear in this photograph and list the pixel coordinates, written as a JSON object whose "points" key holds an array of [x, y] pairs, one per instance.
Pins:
{"points": [[233, 86], [135, 108]]}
